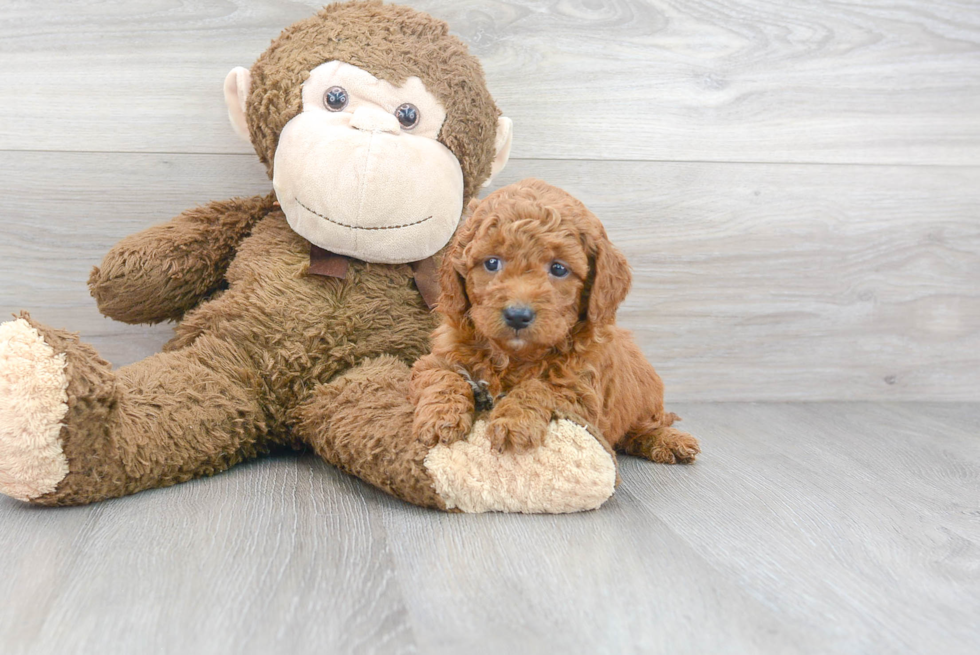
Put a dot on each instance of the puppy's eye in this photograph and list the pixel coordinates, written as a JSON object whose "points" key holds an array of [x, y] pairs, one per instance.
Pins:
{"points": [[492, 264], [335, 98], [408, 115], [558, 269]]}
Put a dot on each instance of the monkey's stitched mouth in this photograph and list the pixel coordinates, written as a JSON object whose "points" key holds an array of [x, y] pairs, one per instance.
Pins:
{"points": [[356, 227]]}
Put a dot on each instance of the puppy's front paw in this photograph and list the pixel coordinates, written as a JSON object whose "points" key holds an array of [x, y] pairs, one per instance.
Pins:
{"points": [[516, 431], [442, 422]]}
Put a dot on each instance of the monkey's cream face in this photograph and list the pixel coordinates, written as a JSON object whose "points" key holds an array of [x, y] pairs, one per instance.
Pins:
{"points": [[360, 171]]}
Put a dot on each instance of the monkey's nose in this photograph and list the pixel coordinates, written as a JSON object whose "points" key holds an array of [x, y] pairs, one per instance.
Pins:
{"points": [[518, 316], [372, 119]]}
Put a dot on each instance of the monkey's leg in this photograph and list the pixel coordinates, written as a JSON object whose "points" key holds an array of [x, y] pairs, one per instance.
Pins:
{"points": [[362, 423], [72, 431], [661, 443]]}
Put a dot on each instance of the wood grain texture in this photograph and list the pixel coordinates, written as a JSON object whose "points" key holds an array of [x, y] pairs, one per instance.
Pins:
{"points": [[752, 282], [859, 518], [747, 80], [283, 555], [803, 528]]}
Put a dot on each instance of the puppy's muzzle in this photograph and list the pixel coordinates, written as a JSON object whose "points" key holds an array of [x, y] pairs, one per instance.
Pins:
{"points": [[518, 317]]}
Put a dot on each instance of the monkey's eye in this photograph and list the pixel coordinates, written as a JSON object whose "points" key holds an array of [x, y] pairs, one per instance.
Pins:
{"points": [[407, 115], [558, 269], [492, 264], [335, 98]]}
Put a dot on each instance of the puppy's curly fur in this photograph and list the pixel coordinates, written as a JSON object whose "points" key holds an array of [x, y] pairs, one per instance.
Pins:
{"points": [[530, 289]]}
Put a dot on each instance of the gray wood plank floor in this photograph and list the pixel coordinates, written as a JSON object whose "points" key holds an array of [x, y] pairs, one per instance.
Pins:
{"points": [[806, 528]]}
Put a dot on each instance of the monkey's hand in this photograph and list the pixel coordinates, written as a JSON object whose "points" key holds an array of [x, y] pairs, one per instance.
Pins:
{"points": [[164, 271]]}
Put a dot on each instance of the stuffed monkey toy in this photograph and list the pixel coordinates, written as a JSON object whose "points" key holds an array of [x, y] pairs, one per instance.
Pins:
{"points": [[376, 128]]}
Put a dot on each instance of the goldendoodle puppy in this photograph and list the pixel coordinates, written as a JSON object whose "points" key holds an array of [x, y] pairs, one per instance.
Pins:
{"points": [[529, 294]]}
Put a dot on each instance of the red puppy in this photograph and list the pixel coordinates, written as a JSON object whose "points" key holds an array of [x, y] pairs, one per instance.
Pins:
{"points": [[530, 289]]}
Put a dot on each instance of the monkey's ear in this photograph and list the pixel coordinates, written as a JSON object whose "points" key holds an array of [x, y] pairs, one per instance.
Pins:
{"points": [[237, 84], [501, 145], [611, 282]]}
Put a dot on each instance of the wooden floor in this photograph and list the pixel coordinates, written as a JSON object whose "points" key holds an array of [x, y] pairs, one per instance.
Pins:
{"points": [[812, 528]]}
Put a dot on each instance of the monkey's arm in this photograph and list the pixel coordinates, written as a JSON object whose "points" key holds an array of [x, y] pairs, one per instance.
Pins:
{"points": [[164, 271]]}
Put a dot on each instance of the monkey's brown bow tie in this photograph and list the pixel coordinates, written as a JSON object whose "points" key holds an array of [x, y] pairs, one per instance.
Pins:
{"points": [[425, 272]]}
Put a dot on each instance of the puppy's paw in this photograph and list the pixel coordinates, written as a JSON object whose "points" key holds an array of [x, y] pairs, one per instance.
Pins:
{"points": [[515, 431], [442, 422], [674, 447]]}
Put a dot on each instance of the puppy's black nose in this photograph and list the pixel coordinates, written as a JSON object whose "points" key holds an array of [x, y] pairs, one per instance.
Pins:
{"points": [[519, 316]]}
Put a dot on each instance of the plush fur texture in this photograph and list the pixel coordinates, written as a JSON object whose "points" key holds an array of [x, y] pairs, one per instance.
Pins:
{"points": [[360, 422], [230, 382], [165, 271], [571, 358], [572, 470]]}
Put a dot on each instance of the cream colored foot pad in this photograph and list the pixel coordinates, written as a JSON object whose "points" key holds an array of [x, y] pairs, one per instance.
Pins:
{"points": [[33, 403], [571, 472]]}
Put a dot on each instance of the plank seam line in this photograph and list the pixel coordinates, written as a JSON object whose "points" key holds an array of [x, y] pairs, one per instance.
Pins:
{"points": [[530, 159]]}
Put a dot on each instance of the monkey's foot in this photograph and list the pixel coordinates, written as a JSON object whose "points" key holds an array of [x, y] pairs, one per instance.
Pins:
{"points": [[33, 404], [56, 397], [571, 471]]}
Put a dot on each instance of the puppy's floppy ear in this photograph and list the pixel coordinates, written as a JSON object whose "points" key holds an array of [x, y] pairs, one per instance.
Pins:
{"points": [[453, 301], [611, 280]]}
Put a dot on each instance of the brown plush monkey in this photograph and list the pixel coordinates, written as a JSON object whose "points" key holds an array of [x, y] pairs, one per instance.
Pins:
{"points": [[376, 127]]}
